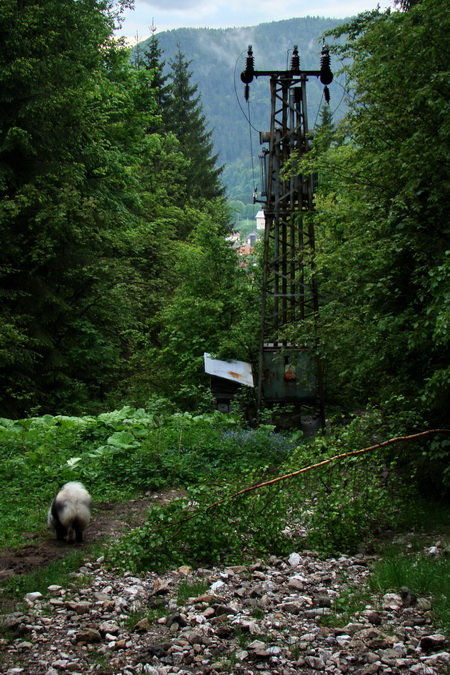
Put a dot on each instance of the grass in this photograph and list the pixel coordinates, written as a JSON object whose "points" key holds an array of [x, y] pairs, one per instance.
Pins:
{"points": [[422, 574], [152, 615], [188, 590], [345, 606], [405, 564], [59, 572], [56, 572]]}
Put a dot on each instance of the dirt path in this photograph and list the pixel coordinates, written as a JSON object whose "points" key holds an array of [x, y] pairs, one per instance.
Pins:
{"points": [[109, 521]]}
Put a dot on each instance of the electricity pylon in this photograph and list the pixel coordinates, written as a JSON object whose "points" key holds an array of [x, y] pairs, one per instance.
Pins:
{"points": [[288, 372]]}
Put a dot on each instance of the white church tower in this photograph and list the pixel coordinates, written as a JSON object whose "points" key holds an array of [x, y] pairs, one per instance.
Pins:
{"points": [[260, 220]]}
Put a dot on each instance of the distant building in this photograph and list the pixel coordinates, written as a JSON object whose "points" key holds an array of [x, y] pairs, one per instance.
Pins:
{"points": [[251, 239], [234, 238], [260, 220]]}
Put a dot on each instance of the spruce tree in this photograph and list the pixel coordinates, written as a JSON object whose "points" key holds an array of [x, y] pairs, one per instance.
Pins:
{"points": [[184, 117], [151, 60]]}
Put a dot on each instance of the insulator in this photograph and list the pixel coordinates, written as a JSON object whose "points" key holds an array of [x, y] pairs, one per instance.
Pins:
{"points": [[247, 74], [295, 60], [325, 59], [326, 94], [250, 61], [326, 76]]}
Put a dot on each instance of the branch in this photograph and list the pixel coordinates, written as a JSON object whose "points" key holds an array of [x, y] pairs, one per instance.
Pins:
{"points": [[352, 453], [179, 524]]}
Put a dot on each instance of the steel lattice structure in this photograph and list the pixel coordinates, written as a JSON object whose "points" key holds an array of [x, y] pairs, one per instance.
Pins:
{"points": [[287, 372]]}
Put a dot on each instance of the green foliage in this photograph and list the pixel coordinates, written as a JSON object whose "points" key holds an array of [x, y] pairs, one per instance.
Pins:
{"points": [[331, 509], [184, 116], [188, 532], [382, 234], [94, 189], [82, 247], [214, 309], [119, 453]]}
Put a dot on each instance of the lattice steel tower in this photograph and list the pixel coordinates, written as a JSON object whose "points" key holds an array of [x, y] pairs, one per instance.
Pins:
{"points": [[288, 372]]}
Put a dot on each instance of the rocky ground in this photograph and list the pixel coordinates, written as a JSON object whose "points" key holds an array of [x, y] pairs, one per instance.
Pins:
{"points": [[262, 618]]}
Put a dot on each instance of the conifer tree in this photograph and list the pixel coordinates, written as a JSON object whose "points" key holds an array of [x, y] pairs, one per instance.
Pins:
{"points": [[185, 118], [151, 60]]}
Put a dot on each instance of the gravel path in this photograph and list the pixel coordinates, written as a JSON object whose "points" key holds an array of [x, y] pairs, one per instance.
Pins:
{"points": [[273, 617]]}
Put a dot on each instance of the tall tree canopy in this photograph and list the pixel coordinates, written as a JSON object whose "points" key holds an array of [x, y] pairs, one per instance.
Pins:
{"points": [[383, 228], [101, 172], [184, 117], [83, 238]]}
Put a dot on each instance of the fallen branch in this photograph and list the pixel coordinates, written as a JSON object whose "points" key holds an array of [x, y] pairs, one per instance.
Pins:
{"points": [[287, 476], [352, 453]]}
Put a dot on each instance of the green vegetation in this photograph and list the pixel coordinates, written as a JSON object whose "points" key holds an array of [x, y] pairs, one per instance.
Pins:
{"points": [[97, 206], [421, 574], [382, 228], [116, 277], [332, 509], [57, 572], [339, 505], [120, 453], [188, 590], [403, 568]]}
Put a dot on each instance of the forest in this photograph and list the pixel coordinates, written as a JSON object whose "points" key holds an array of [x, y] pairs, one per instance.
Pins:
{"points": [[217, 58], [117, 276]]}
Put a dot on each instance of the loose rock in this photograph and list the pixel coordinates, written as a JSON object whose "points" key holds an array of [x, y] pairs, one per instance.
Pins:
{"points": [[258, 619]]}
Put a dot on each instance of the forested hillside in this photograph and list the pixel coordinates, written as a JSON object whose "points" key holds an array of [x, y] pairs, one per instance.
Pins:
{"points": [[105, 213], [116, 276], [115, 272], [217, 57]]}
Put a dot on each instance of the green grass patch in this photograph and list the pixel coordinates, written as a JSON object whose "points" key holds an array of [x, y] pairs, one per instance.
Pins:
{"points": [[59, 572], [187, 589], [55, 573], [346, 606], [152, 615], [420, 573]]}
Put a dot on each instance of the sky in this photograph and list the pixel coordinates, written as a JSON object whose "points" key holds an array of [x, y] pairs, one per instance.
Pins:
{"points": [[168, 14]]}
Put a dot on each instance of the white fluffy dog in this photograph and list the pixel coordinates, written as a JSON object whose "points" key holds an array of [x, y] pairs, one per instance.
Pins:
{"points": [[70, 512]]}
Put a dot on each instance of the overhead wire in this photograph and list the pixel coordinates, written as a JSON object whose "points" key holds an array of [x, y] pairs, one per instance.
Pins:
{"points": [[247, 117], [236, 93]]}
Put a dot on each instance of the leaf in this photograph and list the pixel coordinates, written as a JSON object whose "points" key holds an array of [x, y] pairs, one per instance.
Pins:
{"points": [[123, 440]]}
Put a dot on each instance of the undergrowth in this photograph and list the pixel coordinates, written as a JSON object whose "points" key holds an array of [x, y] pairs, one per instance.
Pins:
{"points": [[120, 454], [332, 508]]}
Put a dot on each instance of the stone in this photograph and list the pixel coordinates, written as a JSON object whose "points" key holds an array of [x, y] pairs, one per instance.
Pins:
{"points": [[431, 642], [79, 607], [142, 626], [275, 605], [315, 662], [392, 601], [294, 559], [108, 627], [185, 570], [33, 597], [88, 635]]}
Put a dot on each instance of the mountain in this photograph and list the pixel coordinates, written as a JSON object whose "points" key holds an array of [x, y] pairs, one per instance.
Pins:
{"points": [[217, 59]]}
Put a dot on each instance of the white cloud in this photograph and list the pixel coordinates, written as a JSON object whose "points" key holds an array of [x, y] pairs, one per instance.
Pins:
{"points": [[177, 5], [169, 14]]}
